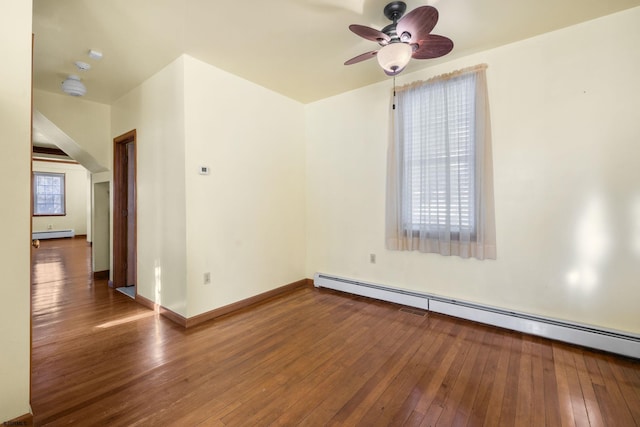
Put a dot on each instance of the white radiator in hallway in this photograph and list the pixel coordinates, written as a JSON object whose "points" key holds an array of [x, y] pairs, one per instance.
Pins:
{"points": [[52, 234]]}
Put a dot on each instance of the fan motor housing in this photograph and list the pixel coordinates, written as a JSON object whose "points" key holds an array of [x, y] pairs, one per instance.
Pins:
{"points": [[390, 30], [393, 11]]}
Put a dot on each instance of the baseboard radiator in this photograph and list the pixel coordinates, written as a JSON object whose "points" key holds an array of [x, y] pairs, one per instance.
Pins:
{"points": [[618, 342], [52, 234]]}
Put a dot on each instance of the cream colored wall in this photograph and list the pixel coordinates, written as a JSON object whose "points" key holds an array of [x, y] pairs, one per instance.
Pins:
{"points": [[100, 248], [101, 226], [565, 124], [86, 122], [15, 183], [76, 186], [243, 223], [245, 220], [156, 110]]}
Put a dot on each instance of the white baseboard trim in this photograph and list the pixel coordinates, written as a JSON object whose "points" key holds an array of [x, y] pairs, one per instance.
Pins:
{"points": [[613, 341]]}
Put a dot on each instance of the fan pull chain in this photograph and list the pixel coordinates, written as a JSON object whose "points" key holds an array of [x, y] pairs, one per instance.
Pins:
{"points": [[394, 92]]}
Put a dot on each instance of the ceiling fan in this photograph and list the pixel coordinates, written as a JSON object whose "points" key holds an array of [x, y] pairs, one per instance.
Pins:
{"points": [[406, 37]]}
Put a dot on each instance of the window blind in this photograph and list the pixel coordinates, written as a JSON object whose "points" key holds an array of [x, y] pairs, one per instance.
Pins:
{"points": [[438, 165]]}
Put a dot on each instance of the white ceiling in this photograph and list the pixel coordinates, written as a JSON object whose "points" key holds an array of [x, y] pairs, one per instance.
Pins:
{"points": [[294, 47]]}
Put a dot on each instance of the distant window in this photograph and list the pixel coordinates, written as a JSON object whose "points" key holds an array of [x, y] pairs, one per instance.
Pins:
{"points": [[48, 194]]}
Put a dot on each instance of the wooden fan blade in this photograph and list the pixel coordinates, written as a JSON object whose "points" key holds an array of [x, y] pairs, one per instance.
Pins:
{"points": [[361, 57], [433, 46], [418, 23], [369, 33]]}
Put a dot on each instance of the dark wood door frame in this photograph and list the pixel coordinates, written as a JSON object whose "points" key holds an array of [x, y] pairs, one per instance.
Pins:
{"points": [[122, 187]]}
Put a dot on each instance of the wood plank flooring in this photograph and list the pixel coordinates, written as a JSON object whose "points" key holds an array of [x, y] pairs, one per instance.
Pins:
{"points": [[310, 358]]}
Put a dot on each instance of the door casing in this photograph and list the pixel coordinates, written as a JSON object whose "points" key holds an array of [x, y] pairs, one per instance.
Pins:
{"points": [[124, 217]]}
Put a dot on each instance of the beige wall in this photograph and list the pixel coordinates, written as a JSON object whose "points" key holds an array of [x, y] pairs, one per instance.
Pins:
{"points": [[245, 220], [565, 124], [87, 123], [243, 223], [100, 213], [15, 182], [101, 224], [156, 110], [76, 194]]}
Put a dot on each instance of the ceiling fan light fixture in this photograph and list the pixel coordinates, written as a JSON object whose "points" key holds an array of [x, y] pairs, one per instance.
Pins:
{"points": [[408, 36], [394, 56], [73, 86]]}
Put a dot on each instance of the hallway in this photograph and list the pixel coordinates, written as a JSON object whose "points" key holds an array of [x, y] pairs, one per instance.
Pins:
{"points": [[89, 341]]}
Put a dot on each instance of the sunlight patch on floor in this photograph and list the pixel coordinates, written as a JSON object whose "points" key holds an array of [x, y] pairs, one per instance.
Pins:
{"points": [[127, 319]]}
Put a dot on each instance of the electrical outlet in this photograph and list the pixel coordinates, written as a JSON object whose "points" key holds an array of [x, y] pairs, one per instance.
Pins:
{"points": [[372, 258], [207, 278]]}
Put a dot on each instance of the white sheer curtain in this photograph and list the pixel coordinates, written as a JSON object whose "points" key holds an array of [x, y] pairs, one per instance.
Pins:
{"points": [[440, 177]]}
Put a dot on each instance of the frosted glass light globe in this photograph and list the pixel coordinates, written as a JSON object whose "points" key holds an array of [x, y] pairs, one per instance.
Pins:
{"points": [[394, 56], [73, 86]]}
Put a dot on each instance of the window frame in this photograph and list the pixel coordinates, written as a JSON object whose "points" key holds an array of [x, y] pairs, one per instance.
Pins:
{"points": [[63, 194]]}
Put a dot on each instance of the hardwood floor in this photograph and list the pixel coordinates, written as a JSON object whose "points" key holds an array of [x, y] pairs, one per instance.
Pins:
{"points": [[308, 358]]}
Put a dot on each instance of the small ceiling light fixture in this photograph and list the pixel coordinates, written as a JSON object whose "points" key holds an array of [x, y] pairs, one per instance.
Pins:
{"points": [[94, 54], [73, 86], [82, 66], [394, 57]]}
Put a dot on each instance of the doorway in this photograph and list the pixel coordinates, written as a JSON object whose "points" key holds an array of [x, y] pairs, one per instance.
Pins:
{"points": [[124, 213]]}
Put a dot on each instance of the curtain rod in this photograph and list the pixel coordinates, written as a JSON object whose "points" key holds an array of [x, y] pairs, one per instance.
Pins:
{"points": [[443, 77]]}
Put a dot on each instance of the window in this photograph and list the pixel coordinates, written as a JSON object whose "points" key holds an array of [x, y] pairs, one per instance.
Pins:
{"points": [[440, 195], [439, 160], [48, 194]]}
